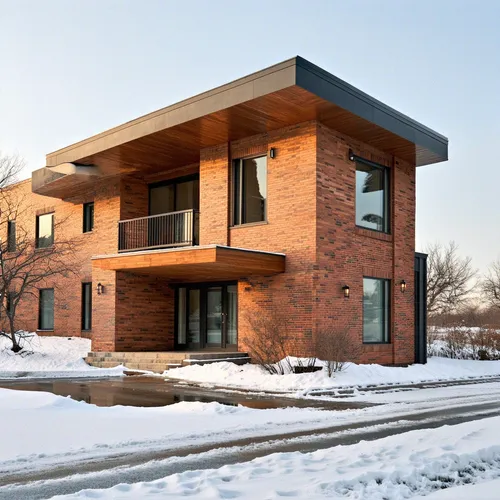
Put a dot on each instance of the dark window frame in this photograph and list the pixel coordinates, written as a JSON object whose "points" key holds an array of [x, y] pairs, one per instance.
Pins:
{"points": [[8, 305], [387, 310], [86, 314], [11, 236], [37, 241], [41, 290], [237, 191], [174, 181], [387, 195], [88, 217]]}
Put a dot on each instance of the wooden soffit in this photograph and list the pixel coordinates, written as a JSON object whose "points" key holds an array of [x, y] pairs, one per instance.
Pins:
{"points": [[194, 264]]}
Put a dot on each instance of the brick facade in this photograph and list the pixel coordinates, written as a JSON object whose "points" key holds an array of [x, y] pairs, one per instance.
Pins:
{"points": [[310, 218]]}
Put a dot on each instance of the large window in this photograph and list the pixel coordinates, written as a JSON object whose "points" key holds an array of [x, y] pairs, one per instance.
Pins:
{"points": [[11, 236], [376, 307], [88, 217], [174, 196], [372, 196], [86, 306], [45, 231], [249, 190], [46, 309]]}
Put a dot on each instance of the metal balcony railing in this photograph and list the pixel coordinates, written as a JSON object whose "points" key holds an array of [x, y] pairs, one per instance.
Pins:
{"points": [[175, 229]]}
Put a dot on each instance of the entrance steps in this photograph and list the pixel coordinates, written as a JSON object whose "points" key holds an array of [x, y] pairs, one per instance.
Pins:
{"points": [[160, 361]]}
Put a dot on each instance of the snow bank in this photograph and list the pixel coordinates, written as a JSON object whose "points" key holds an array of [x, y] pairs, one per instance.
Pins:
{"points": [[408, 465], [52, 357], [255, 378]]}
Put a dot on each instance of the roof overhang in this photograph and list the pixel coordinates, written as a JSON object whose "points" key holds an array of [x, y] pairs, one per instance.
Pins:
{"points": [[194, 264], [288, 93]]}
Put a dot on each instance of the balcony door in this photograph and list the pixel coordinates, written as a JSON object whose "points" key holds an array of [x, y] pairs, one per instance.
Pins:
{"points": [[180, 198], [206, 317]]}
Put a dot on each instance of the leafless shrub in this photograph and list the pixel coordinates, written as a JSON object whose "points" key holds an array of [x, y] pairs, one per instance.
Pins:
{"points": [[270, 341], [337, 348], [305, 365]]}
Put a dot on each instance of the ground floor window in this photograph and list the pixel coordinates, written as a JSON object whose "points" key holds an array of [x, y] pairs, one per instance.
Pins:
{"points": [[46, 309], [376, 310], [206, 316], [86, 306]]}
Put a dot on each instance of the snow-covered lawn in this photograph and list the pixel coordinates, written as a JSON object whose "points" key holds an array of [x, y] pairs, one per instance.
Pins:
{"points": [[409, 465], [255, 378], [51, 357]]}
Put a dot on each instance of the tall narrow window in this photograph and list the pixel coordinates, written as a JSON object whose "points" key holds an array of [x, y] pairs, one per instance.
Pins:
{"points": [[372, 196], [88, 217], [86, 306], [376, 310], [11, 236], [249, 190], [46, 309], [10, 300], [44, 230]]}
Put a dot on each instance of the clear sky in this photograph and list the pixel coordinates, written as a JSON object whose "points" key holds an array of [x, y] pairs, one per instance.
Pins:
{"points": [[70, 69]]}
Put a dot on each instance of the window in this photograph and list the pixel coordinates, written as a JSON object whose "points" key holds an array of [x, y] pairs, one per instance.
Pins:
{"points": [[10, 300], [249, 190], [46, 309], [376, 303], [86, 306], [11, 236], [174, 196], [88, 217], [45, 231], [372, 196]]}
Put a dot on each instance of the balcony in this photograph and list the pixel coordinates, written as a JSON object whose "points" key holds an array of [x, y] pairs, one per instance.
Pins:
{"points": [[174, 229]]}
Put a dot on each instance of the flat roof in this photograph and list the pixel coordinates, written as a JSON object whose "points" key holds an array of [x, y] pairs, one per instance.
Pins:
{"points": [[287, 93]]}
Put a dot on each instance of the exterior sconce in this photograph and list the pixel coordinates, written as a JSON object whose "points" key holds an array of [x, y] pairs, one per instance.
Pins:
{"points": [[351, 155], [346, 291], [100, 289], [403, 286], [272, 153]]}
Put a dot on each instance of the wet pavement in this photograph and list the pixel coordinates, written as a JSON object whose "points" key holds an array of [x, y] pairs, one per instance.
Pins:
{"points": [[155, 391]]}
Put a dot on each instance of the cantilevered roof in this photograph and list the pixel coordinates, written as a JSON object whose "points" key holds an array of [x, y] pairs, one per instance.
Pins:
{"points": [[291, 92]]}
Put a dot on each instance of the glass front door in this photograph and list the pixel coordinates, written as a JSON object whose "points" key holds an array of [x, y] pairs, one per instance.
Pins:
{"points": [[206, 316]]}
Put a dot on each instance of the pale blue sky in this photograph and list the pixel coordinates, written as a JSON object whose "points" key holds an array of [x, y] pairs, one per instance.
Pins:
{"points": [[70, 69]]}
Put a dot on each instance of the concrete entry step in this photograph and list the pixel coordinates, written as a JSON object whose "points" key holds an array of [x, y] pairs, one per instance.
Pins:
{"points": [[160, 361]]}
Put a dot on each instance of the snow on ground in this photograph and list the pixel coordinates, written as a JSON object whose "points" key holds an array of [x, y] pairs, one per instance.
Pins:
{"points": [[255, 378], [409, 465], [52, 357]]}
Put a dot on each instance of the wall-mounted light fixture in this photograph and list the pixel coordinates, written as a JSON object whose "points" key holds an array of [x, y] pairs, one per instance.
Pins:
{"points": [[351, 155], [272, 153], [100, 289], [346, 291], [403, 286]]}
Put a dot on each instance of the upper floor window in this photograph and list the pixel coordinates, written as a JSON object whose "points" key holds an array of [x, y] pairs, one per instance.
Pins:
{"points": [[376, 310], [44, 230], [88, 217], [175, 195], [249, 190], [372, 196], [11, 236]]}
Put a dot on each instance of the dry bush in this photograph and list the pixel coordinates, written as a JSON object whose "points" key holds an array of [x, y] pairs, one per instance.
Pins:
{"points": [[455, 343], [337, 348], [270, 341]]}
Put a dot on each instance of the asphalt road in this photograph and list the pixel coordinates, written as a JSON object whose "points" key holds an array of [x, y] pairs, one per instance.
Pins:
{"points": [[104, 473]]}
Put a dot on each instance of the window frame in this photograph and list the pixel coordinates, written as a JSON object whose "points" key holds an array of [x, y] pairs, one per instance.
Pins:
{"points": [[387, 310], [387, 195], [174, 182], [37, 240], [237, 164], [86, 207], [83, 317], [40, 310], [11, 236]]}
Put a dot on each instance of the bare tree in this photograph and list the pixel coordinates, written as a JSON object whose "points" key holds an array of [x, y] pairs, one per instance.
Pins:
{"points": [[490, 285], [25, 264], [450, 278]]}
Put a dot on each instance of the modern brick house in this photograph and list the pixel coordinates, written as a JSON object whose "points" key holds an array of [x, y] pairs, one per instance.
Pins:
{"points": [[287, 188]]}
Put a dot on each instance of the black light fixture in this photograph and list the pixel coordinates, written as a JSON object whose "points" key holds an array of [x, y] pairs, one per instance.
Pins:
{"points": [[100, 289], [351, 155], [403, 286], [272, 153], [346, 291]]}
